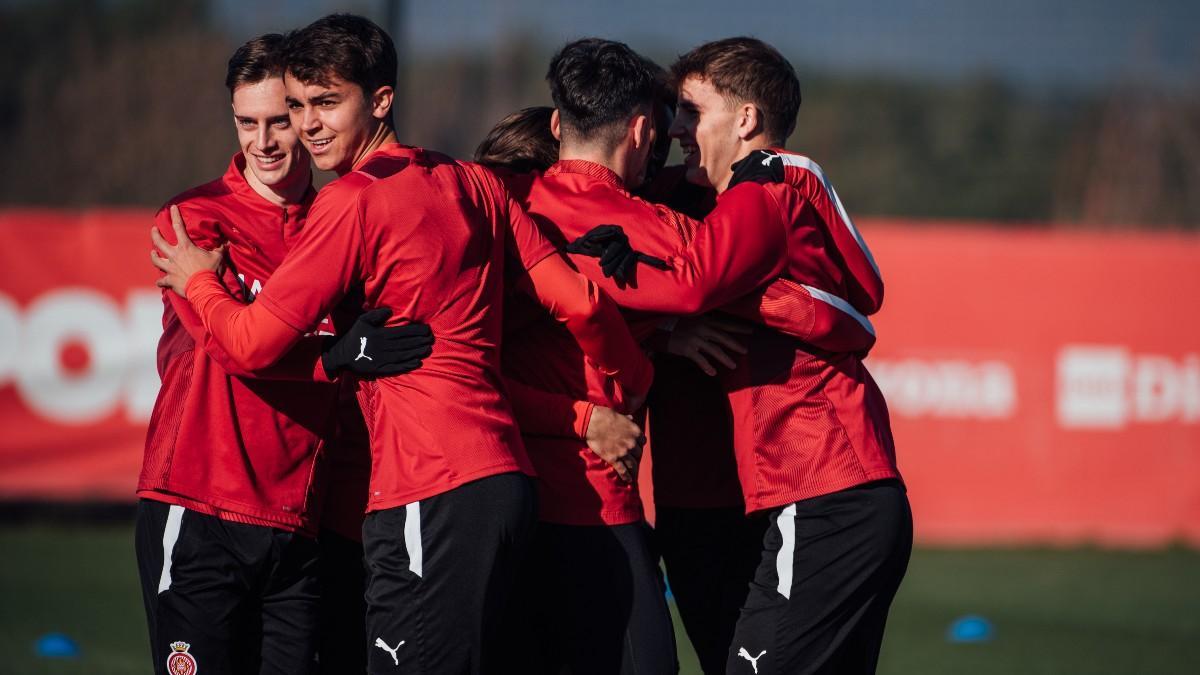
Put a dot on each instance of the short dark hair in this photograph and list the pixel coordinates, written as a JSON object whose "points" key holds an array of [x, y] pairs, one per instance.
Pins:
{"points": [[746, 70], [520, 142], [255, 61], [344, 46], [598, 83]]}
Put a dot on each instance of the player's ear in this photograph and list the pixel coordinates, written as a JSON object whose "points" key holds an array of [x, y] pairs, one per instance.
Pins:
{"points": [[381, 102], [641, 128], [749, 121], [555, 125]]}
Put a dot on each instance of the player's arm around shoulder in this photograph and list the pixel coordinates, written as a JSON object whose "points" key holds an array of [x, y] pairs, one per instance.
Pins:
{"points": [[741, 245], [593, 320], [326, 258]]}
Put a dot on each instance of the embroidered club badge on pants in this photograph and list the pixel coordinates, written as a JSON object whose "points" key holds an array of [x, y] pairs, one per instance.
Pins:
{"points": [[180, 662]]}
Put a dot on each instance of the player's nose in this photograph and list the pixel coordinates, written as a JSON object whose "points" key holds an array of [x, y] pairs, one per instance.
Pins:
{"points": [[677, 128], [310, 121]]}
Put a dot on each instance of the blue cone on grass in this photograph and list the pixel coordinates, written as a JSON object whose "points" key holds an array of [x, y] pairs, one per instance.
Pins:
{"points": [[970, 628], [57, 646]]}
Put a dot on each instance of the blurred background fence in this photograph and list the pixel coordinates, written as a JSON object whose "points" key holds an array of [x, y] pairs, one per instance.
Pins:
{"points": [[1077, 112]]}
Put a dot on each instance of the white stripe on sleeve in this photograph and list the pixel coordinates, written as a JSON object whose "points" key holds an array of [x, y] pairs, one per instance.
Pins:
{"points": [[806, 163], [840, 304], [170, 536]]}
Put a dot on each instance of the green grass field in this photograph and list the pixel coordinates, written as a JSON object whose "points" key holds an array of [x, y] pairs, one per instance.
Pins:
{"points": [[1076, 611]]}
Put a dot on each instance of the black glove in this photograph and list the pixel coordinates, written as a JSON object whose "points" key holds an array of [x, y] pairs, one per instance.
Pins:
{"points": [[372, 349], [617, 256], [760, 166]]}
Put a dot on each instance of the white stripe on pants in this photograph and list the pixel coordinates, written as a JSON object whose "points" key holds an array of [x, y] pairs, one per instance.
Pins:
{"points": [[787, 550], [170, 536], [412, 538]]}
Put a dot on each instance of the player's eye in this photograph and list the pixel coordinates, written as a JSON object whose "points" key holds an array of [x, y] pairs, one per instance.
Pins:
{"points": [[282, 124]]}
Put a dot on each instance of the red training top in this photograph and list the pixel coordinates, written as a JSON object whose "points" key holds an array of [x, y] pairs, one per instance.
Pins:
{"points": [[221, 441], [425, 236], [576, 487], [807, 422]]}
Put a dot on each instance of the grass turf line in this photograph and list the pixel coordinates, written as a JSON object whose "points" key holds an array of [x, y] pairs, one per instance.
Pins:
{"points": [[1078, 611]]}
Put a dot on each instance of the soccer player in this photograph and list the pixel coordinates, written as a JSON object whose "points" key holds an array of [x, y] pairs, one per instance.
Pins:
{"points": [[812, 436], [604, 94], [595, 599], [709, 547], [451, 506], [234, 472]]}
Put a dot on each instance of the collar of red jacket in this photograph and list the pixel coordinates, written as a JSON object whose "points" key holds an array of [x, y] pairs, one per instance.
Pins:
{"points": [[586, 168]]}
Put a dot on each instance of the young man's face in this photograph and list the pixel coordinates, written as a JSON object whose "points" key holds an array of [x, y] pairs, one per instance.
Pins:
{"points": [[335, 121], [706, 126], [266, 135]]}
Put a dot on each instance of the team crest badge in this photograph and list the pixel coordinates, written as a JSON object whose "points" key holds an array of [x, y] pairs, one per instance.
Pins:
{"points": [[180, 662]]}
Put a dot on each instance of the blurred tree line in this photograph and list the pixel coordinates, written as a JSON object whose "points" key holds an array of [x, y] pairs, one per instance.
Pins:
{"points": [[122, 102]]}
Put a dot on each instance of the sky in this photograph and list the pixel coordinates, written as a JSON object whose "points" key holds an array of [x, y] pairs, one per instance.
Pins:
{"points": [[1080, 43]]}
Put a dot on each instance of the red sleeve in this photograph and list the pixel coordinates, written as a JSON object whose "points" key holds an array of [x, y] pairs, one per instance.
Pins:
{"points": [[324, 262], [542, 413], [821, 319], [740, 246], [593, 320], [527, 242], [253, 337], [298, 364], [317, 272]]}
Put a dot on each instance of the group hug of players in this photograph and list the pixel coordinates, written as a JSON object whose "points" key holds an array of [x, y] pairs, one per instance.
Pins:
{"points": [[401, 417]]}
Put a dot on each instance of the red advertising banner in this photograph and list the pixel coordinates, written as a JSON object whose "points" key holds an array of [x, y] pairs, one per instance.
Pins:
{"points": [[79, 322], [1044, 385]]}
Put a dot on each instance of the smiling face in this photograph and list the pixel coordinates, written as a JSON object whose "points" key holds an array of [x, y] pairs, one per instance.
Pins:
{"points": [[706, 125], [274, 156], [336, 122]]}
